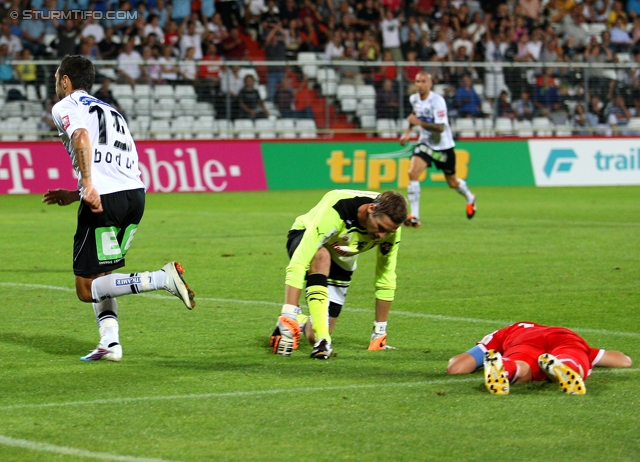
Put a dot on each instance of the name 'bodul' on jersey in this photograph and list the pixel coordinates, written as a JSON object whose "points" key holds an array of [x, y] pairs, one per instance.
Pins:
{"points": [[114, 161], [433, 109]]}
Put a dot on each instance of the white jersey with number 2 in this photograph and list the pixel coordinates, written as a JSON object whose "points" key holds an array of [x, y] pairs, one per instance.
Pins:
{"points": [[433, 109], [114, 161]]}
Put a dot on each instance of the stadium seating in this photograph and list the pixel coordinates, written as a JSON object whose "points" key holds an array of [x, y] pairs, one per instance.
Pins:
{"points": [[266, 128], [160, 129], [244, 128], [386, 128], [286, 128], [542, 126], [465, 127], [308, 62], [306, 128]]}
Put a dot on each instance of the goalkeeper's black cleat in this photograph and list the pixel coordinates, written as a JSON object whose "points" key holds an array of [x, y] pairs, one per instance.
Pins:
{"points": [[321, 350]]}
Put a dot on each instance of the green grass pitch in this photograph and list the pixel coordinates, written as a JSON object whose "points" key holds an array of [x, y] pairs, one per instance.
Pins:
{"points": [[203, 385]]}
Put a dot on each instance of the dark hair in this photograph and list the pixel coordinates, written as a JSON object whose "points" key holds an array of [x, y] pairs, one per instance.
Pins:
{"points": [[393, 205], [80, 71]]}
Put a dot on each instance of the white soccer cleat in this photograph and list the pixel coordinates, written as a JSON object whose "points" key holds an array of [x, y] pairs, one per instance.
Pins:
{"points": [[112, 353], [174, 284], [568, 379], [495, 377]]}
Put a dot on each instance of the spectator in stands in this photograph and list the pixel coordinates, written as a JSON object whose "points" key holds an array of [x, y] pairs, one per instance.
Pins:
{"points": [[293, 40], [410, 25], [171, 34], [28, 73], [130, 68], [387, 70], [370, 45], [169, 69], [387, 106], [335, 48], [530, 10], [151, 65], [288, 12], [122, 21], [573, 27], [535, 44], [105, 94], [579, 120], [188, 71], [191, 39], [426, 51], [442, 47], [550, 52], [161, 11], [390, 30], [545, 97], [523, 107], [107, 47], [253, 10], [208, 85], [249, 101], [456, 73], [620, 38], [180, 11], [230, 87], [618, 115], [6, 67], [217, 27], [349, 73], [596, 115], [477, 28], [13, 42], [504, 109], [617, 12], [495, 48], [33, 33], [411, 44], [153, 27], [463, 40], [467, 101], [275, 50], [367, 17], [597, 78], [233, 47], [285, 101], [47, 127], [92, 28], [412, 69], [313, 35]]}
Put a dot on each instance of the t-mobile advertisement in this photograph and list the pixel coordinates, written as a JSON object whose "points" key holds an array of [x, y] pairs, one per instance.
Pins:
{"points": [[166, 166]]}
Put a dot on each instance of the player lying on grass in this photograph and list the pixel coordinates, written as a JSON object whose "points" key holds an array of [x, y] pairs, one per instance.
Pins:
{"points": [[529, 352], [324, 245]]}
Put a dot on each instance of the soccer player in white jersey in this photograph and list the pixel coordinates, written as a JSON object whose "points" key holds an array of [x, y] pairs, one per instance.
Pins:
{"points": [[435, 146], [112, 198]]}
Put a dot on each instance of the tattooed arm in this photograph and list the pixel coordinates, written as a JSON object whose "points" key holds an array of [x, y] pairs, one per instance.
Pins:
{"points": [[82, 149]]}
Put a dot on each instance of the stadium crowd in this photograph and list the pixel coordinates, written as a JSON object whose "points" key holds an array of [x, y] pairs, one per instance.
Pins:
{"points": [[170, 38]]}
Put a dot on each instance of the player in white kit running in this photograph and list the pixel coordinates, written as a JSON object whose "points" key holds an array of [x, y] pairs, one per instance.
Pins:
{"points": [[435, 146], [112, 198]]}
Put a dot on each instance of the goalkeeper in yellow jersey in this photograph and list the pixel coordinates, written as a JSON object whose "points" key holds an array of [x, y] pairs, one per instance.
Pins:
{"points": [[323, 245]]}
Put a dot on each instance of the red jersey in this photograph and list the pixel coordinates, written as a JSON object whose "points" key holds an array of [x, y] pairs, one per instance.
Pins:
{"points": [[525, 341]]}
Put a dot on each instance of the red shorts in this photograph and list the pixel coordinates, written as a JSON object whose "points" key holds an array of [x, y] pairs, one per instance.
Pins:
{"points": [[561, 343]]}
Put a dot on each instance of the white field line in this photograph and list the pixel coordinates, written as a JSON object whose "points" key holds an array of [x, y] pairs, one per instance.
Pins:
{"points": [[242, 394], [437, 317], [251, 393], [67, 451]]}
